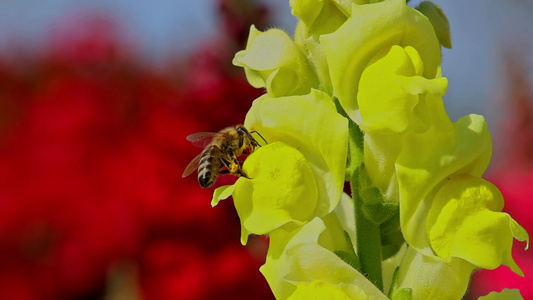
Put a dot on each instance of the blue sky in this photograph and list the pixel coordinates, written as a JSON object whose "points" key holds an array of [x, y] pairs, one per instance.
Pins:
{"points": [[162, 28]]}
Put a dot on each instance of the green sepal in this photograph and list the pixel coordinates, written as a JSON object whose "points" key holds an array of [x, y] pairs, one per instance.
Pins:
{"points": [[351, 257], [355, 143], [439, 21], [391, 237], [394, 282], [373, 206], [402, 294], [339, 108], [399, 294]]}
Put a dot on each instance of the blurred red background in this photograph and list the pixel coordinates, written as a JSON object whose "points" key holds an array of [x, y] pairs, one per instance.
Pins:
{"points": [[92, 148], [512, 172]]}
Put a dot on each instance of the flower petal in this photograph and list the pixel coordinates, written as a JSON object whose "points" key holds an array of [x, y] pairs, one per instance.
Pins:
{"points": [[274, 268], [391, 88], [465, 221], [505, 294], [222, 193], [312, 125], [282, 189], [431, 278], [319, 17]]}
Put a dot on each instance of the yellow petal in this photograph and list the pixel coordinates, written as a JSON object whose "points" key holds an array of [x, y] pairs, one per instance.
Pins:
{"points": [[282, 189], [466, 221]]}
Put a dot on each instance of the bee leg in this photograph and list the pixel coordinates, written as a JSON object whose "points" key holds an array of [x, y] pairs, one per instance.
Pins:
{"points": [[225, 163], [235, 164], [231, 166], [258, 135], [241, 173]]}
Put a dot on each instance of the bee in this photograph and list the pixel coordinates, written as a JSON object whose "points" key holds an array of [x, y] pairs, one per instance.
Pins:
{"points": [[220, 154]]}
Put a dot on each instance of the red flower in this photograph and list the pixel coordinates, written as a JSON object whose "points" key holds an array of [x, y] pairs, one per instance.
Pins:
{"points": [[92, 148]]}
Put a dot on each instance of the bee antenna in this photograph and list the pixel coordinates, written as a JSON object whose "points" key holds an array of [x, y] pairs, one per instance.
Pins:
{"points": [[259, 135]]}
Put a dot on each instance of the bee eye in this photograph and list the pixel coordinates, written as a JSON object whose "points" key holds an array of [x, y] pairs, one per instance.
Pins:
{"points": [[242, 131]]}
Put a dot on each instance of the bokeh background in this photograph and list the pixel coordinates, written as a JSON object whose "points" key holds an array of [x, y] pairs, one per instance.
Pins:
{"points": [[97, 97]]}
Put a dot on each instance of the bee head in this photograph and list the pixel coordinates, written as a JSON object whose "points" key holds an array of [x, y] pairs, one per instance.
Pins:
{"points": [[242, 130], [246, 139]]}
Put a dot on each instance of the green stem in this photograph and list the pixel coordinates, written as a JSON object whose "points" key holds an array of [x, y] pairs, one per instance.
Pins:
{"points": [[368, 236]]}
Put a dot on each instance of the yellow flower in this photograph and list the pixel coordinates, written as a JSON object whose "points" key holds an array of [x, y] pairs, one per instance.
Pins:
{"points": [[300, 173], [369, 29], [396, 100], [297, 263]]}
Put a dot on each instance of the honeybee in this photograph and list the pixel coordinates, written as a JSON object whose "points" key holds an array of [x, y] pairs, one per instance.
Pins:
{"points": [[220, 154]]}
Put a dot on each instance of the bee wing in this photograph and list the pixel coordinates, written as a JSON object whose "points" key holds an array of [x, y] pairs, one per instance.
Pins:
{"points": [[202, 139], [193, 165]]}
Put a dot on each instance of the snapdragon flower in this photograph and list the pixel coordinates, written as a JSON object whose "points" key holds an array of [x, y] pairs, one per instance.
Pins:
{"points": [[377, 26], [300, 173], [357, 95], [302, 260]]}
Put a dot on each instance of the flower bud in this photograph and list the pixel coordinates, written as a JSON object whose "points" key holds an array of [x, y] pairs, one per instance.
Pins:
{"points": [[273, 61]]}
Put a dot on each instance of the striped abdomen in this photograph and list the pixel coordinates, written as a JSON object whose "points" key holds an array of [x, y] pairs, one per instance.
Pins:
{"points": [[209, 166]]}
